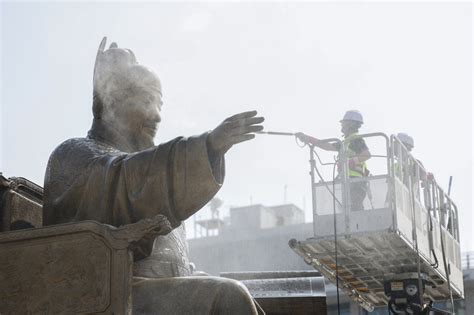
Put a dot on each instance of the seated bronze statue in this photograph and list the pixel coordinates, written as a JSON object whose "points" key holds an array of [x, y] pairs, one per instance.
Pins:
{"points": [[117, 176]]}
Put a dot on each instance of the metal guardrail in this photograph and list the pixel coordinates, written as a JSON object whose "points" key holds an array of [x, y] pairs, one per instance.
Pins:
{"points": [[467, 260]]}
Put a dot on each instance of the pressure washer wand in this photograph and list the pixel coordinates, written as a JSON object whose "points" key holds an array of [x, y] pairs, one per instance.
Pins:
{"points": [[276, 133]]}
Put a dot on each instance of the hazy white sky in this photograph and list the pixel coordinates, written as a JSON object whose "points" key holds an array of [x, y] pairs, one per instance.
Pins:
{"points": [[407, 67]]}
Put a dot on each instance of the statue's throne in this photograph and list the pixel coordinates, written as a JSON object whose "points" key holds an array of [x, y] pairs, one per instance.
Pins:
{"points": [[83, 267]]}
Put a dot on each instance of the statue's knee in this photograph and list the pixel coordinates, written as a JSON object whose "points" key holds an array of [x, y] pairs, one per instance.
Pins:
{"points": [[233, 286], [236, 294], [235, 301]]}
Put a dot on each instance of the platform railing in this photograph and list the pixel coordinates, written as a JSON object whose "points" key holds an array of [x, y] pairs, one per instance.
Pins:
{"points": [[344, 182], [408, 189]]}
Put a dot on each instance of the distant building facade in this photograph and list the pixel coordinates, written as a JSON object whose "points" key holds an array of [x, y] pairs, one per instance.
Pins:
{"points": [[255, 239]]}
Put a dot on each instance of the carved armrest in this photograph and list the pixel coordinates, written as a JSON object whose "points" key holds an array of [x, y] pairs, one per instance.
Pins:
{"points": [[146, 228], [21, 204], [83, 267], [139, 236]]}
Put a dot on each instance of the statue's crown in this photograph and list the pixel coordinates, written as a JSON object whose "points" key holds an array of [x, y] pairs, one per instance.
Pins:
{"points": [[117, 69]]}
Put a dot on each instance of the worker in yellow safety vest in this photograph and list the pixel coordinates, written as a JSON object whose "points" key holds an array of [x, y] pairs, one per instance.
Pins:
{"points": [[356, 151]]}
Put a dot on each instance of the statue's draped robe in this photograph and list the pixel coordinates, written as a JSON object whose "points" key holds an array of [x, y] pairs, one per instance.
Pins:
{"points": [[99, 178]]}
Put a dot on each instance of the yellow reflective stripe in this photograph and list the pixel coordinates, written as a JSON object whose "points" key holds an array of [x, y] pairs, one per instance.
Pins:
{"points": [[353, 173]]}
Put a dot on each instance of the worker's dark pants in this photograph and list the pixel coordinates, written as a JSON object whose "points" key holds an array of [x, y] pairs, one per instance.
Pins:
{"points": [[358, 191]]}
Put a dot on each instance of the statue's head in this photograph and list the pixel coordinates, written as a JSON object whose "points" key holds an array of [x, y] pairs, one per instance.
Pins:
{"points": [[127, 95]]}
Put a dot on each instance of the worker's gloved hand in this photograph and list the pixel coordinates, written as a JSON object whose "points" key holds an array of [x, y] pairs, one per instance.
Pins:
{"points": [[233, 130], [303, 137]]}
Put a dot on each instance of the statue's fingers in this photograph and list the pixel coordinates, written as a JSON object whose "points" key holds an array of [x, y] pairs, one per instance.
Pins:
{"points": [[242, 138], [248, 114], [253, 120], [247, 129], [245, 122]]}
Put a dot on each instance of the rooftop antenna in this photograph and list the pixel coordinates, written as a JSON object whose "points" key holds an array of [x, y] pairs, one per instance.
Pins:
{"points": [[210, 226], [449, 185]]}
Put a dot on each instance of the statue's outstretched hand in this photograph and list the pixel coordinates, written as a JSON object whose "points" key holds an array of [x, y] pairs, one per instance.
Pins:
{"points": [[233, 130]]}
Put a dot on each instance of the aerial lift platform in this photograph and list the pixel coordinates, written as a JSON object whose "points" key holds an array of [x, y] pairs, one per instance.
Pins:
{"points": [[402, 249]]}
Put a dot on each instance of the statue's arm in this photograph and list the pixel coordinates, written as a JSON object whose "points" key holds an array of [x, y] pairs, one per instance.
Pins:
{"points": [[174, 179], [196, 174]]}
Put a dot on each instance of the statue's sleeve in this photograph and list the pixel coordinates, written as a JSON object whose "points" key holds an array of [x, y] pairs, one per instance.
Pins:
{"points": [[175, 179], [86, 181]]}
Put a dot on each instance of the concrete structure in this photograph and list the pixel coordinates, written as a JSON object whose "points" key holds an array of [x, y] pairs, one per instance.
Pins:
{"points": [[468, 302], [262, 217], [252, 234]]}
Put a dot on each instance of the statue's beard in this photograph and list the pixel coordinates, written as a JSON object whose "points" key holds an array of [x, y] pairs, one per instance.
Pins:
{"points": [[141, 139], [134, 133]]}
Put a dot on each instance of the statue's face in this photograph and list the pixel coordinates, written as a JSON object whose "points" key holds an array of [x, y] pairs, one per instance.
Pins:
{"points": [[138, 114], [131, 95]]}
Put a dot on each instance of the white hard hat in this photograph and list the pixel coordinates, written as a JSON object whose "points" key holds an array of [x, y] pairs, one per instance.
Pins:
{"points": [[353, 115], [406, 139]]}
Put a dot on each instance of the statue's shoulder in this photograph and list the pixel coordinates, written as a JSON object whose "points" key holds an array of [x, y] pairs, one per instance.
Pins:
{"points": [[74, 146], [79, 150], [83, 146], [73, 142]]}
